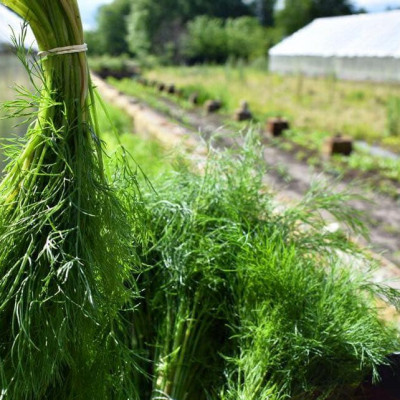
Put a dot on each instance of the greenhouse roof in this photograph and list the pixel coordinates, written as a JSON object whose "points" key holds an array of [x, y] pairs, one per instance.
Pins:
{"points": [[362, 35], [10, 22]]}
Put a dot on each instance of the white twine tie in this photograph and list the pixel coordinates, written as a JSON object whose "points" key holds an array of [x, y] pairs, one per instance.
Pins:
{"points": [[78, 48]]}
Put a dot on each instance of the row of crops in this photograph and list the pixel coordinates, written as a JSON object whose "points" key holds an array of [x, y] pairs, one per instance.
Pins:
{"points": [[190, 283], [337, 155]]}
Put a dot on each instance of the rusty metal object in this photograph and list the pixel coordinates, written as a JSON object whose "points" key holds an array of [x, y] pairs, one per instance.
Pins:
{"points": [[243, 113], [338, 145], [276, 126], [161, 86], [194, 98], [212, 106], [171, 89]]}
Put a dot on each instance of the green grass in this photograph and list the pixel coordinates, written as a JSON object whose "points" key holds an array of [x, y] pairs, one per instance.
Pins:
{"points": [[393, 115], [378, 172], [323, 104], [147, 157]]}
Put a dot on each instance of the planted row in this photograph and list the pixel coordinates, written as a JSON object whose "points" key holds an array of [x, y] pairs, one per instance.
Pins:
{"points": [[274, 127]]}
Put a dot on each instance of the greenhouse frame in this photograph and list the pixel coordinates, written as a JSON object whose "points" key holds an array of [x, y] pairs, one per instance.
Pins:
{"points": [[357, 47]]}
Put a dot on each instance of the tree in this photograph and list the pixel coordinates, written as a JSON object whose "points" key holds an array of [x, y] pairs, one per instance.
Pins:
{"points": [[155, 25], [246, 38], [212, 39], [264, 11], [298, 13], [206, 40], [220, 9], [95, 43], [112, 30], [331, 8], [147, 17], [295, 15]]}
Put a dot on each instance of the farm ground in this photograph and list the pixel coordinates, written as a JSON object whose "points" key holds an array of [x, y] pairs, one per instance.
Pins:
{"points": [[291, 177], [358, 109], [374, 158]]}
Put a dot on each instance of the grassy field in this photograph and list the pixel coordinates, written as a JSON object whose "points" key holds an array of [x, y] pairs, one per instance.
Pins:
{"points": [[145, 155], [311, 104], [306, 140]]}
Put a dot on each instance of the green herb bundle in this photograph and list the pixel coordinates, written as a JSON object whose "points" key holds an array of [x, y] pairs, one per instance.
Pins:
{"points": [[245, 301], [66, 243]]}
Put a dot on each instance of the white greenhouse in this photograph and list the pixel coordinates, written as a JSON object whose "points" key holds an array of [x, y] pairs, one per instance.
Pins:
{"points": [[356, 47], [9, 23]]}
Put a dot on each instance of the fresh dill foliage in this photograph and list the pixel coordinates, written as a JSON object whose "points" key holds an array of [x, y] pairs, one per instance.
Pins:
{"points": [[66, 254], [245, 300]]}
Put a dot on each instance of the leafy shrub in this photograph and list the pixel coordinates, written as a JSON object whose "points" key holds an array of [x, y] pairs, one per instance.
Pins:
{"points": [[246, 38], [95, 43], [118, 67], [213, 40], [112, 63], [206, 40], [202, 93]]}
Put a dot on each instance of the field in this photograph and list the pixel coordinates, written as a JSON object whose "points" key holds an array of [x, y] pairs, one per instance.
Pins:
{"points": [[311, 104], [363, 111]]}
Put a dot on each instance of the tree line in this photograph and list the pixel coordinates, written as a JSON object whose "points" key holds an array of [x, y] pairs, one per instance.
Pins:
{"points": [[203, 30]]}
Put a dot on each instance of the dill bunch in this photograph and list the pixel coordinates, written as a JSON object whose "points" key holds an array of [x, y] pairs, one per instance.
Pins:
{"points": [[242, 300], [66, 254]]}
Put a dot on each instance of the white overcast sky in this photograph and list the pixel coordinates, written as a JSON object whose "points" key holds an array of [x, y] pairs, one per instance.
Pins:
{"points": [[89, 7]]}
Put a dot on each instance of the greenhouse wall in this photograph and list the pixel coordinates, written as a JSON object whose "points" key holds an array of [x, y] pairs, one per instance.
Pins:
{"points": [[379, 69]]}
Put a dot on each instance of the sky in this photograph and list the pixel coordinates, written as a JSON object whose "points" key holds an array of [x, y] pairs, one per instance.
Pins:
{"points": [[377, 5], [89, 8], [88, 11]]}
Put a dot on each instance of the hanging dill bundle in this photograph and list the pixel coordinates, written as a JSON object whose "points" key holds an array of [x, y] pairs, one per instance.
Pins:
{"points": [[66, 243]]}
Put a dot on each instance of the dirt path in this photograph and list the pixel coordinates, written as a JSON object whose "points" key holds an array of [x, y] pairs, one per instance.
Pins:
{"points": [[382, 213]]}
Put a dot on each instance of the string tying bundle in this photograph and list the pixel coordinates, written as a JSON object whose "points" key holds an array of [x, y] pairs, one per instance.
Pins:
{"points": [[77, 48]]}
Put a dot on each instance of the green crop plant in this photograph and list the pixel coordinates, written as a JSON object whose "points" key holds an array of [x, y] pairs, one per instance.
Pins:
{"points": [[393, 116], [66, 239], [241, 300]]}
